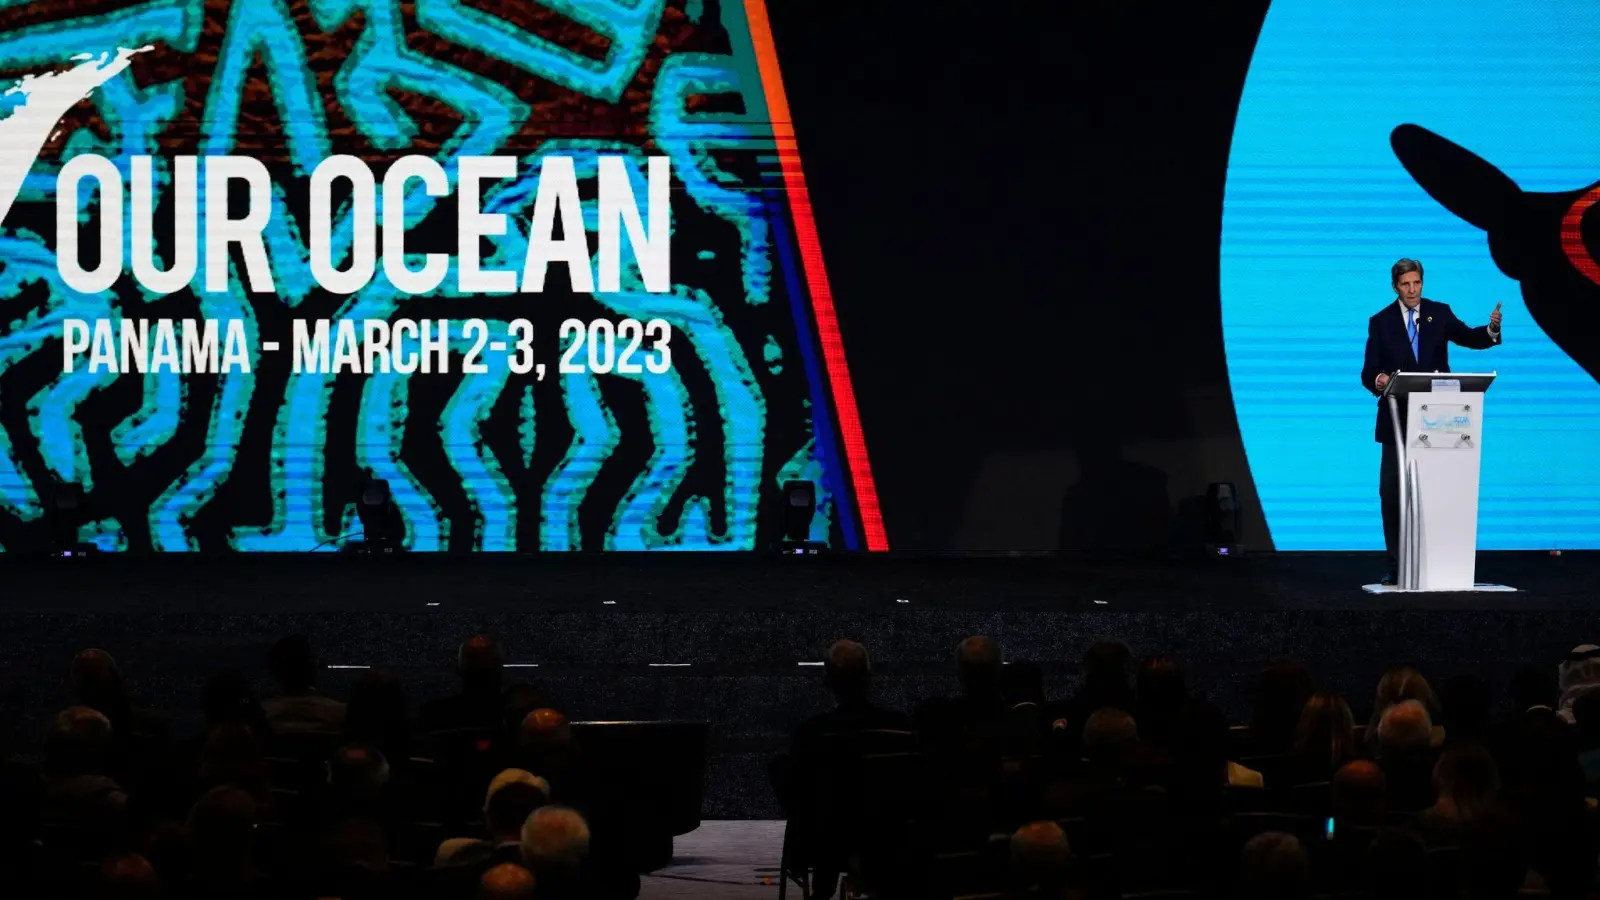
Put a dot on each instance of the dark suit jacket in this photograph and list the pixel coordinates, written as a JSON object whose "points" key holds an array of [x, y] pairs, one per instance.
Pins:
{"points": [[809, 734], [1388, 349]]}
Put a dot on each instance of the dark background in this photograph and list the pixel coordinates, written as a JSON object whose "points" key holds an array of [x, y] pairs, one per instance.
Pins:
{"points": [[1021, 205]]}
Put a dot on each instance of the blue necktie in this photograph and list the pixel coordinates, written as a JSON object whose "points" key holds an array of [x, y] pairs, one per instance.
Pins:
{"points": [[1411, 332]]}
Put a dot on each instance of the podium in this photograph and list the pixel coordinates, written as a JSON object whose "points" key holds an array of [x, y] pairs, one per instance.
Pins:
{"points": [[1438, 451]]}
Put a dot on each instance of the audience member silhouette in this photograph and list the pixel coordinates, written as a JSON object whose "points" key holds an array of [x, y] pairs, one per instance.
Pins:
{"points": [[480, 663], [1324, 739], [298, 708], [1142, 792], [1282, 690], [507, 881], [1405, 751]]}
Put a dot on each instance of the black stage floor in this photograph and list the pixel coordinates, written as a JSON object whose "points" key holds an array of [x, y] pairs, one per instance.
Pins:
{"points": [[728, 638], [680, 582]]}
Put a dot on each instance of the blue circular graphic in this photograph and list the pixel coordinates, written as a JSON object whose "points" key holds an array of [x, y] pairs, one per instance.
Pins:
{"points": [[1318, 207]]}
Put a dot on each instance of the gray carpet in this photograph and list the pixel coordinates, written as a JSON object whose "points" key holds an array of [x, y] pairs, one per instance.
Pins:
{"points": [[722, 860]]}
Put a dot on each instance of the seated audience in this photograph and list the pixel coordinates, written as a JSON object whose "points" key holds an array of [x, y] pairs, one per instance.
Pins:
{"points": [[547, 748], [1466, 789], [513, 796], [1163, 693], [356, 862], [847, 673], [227, 698], [980, 705], [1358, 796], [1274, 866], [1580, 674], [555, 844], [1106, 680], [1110, 743], [299, 708], [357, 778], [79, 798], [1397, 686], [1022, 685], [1406, 754], [480, 663], [129, 877], [233, 757], [1396, 866], [1464, 704], [1358, 810], [1324, 739], [1116, 792], [379, 716], [507, 881], [1281, 694], [1041, 861], [222, 829], [96, 682], [1203, 767]]}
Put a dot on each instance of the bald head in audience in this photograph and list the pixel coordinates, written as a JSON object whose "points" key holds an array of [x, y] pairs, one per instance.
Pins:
{"points": [[481, 662], [1358, 794], [545, 728], [1039, 853], [1109, 736], [95, 676], [512, 797], [978, 663], [507, 881], [358, 770], [1405, 729], [129, 877], [555, 839], [77, 742], [847, 671]]}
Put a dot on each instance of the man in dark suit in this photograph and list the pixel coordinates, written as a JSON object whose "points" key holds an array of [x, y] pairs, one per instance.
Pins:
{"points": [[1412, 334]]}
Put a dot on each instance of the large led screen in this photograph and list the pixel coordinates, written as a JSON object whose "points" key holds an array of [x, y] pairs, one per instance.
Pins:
{"points": [[658, 400], [1462, 134]]}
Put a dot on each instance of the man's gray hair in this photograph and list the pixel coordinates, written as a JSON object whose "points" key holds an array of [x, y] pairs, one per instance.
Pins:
{"points": [[555, 837], [1403, 266], [1405, 726]]}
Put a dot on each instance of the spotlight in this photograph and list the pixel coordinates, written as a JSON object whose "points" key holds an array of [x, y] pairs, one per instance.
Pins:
{"points": [[799, 509], [67, 513], [375, 509], [1222, 520]]}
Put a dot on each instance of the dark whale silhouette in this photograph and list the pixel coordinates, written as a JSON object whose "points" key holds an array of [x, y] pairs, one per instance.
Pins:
{"points": [[1543, 240]]}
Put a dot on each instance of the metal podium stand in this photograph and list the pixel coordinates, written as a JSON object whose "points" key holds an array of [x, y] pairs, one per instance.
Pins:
{"points": [[1439, 453]]}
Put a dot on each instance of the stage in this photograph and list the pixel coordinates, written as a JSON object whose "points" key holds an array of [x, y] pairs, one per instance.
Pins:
{"points": [[735, 639]]}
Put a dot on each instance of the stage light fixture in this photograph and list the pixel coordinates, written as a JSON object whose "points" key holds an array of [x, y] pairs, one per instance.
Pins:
{"points": [[374, 509], [67, 514], [1222, 520], [799, 509]]}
